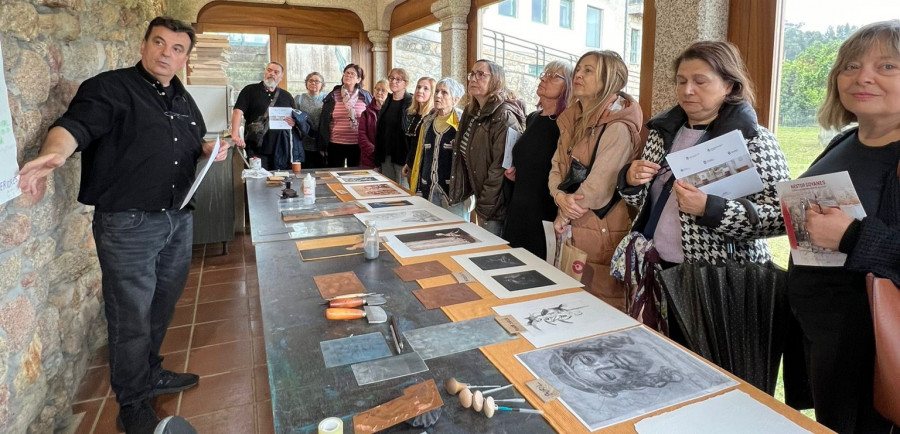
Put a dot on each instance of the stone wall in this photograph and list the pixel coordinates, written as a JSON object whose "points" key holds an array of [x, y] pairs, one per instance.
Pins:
{"points": [[50, 301]]}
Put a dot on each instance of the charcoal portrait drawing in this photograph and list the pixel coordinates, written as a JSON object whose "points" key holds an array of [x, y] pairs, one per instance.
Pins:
{"points": [[622, 375]]}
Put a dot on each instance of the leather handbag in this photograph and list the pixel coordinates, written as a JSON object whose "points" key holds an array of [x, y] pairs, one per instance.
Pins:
{"points": [[884, 301], [578, 172], [256, 131]]}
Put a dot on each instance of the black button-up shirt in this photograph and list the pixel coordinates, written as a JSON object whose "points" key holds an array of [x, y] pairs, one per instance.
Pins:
{"points": [[139, 147]]}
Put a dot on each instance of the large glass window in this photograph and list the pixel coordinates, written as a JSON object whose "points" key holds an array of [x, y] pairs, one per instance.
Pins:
{"points": [[419, 53], [328, 60], [634, 53], [539, 11], [594, 27], [508, 8], [247, 59], [523, 47], [565, 14]]}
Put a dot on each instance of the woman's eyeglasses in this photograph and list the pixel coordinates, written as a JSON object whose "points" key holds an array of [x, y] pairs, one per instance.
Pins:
{"points": [[396, 79], [551, 76], [477, 75], [314, 81]]}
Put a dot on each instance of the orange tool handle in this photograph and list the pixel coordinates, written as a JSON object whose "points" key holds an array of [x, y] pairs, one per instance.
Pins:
{"points": [[339, 313], [346, 302]]}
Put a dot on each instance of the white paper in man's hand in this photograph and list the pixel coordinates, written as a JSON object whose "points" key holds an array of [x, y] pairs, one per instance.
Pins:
{"points": [[277, 118], [202, 173]]}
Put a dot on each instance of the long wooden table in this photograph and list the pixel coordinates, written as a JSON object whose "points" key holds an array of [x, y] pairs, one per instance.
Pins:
{"points": [[304, 392]]}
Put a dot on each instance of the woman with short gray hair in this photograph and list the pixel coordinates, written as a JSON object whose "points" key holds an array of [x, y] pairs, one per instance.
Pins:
{"points": [[430, 174]]}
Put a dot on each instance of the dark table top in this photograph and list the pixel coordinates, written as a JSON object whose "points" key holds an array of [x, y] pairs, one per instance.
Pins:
{"points": [[304, 392]]}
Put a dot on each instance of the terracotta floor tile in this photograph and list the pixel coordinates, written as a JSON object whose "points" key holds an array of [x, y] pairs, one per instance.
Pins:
{"points": [[217, 359], [220, 332], [188, 297], [94, 385], [261, 389], [265, 420], [196, 262], [252, 288], [177, 339], [231, 260], [106, 422], [259, 352], [167, 405], [218, 392], [256, 328], [184, 315], [90, 409], [193, 280], [235, 420], [222, 291], [223, 276], [175, 361], [225, 309], [251, 272], [255, 309], [100, 357]]}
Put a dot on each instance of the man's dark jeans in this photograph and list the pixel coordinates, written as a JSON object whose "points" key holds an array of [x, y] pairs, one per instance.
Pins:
{"points": [[145, 258]]}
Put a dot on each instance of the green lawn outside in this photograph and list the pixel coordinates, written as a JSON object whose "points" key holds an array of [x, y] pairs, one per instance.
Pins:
{"points": [[801, 146]]}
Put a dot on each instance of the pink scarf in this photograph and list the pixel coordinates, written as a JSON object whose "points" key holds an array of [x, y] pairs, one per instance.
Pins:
{"points": [[349, 101]]}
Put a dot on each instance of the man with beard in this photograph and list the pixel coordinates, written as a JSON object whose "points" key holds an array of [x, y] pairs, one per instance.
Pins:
{"points": [[253, 104]]}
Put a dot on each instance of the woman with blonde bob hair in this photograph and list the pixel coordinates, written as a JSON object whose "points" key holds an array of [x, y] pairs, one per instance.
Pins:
{"points": [[492, 121], [598, 130], [831, 304]]}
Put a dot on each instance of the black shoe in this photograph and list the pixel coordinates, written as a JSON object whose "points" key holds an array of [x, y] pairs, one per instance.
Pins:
{"points": [[137, 418], [175, 425], [170, 382]]}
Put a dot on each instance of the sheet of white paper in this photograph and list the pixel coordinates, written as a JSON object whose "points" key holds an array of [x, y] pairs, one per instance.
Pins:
{"points": [[833, 190], [733, 412], [440, 239], [565, 317], [515, 273], [9, 168], [394, 204], [720, 166], [409, 217], [277, 116], [550, 240], [202, 173], [507, 151]]}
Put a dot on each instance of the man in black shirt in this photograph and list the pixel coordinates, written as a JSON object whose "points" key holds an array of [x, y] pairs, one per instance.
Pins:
{"points": [[140, 134], [253, 104]]}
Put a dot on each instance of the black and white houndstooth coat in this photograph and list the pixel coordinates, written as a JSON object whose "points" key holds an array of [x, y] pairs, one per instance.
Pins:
{"points": [[704, 238]]}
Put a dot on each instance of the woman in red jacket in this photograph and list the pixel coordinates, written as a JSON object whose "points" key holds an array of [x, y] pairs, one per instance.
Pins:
{"points": [[367, 122]]}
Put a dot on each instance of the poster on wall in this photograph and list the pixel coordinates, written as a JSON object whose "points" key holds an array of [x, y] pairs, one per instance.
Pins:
{"points": [[9, 167]]}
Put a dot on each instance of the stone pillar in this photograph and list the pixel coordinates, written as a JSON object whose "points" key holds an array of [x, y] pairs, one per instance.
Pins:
{"points": [[453, 14], [680, 23], [380, 65]]}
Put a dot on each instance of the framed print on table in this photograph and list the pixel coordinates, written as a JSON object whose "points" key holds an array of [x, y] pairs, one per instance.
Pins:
{"points": [[515, 273], [375, 190], [440, 239]]}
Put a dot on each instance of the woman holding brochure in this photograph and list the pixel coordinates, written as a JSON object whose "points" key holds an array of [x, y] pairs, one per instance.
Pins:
{"points": [[599, 129], [715, 97], [830, 303]]}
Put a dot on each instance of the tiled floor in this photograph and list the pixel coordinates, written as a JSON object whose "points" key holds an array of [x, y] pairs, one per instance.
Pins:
{"points": [[216, 333]]}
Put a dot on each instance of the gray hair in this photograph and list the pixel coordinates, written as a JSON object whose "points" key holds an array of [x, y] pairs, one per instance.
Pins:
{"points": [[456, 89]]}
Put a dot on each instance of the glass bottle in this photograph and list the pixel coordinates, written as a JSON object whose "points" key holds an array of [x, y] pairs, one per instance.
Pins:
{"points": [[371, 241]]}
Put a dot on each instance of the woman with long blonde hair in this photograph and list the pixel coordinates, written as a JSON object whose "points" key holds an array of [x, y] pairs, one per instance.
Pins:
{"points": [[600, 131]]}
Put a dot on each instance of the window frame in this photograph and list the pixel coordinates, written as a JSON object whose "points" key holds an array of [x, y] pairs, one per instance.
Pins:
{"points": [[543, 19], [598, 28], [567, 14], [513, 8]]}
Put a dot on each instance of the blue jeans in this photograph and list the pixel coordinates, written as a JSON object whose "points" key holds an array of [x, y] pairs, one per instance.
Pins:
{"points": [[461, 209], [493, 226], [145, 258]]}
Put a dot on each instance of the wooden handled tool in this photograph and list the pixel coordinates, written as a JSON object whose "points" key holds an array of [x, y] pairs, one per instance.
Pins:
{"points": [[374, 314]]}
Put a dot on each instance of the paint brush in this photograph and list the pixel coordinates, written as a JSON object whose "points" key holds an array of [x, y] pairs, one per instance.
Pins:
{"points": [[490, 408], [452, 386]]}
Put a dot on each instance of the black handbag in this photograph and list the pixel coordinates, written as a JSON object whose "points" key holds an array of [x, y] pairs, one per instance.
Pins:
{"points": [[256, 131], [578, 172]]}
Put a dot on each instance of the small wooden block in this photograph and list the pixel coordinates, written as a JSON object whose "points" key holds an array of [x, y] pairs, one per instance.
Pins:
{"points": [[544, 390], [509, 323], [463, 277], [276, 178]]}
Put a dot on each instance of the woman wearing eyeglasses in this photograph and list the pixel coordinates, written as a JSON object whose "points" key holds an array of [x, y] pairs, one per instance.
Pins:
{"points": [[339, 124], [390, 131], [599, 130], [530, 200], [311, 103], [492, 122]]}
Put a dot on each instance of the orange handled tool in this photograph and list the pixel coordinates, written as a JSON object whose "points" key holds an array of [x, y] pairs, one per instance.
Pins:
{"points": [[337, 313], [346, 302]]}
